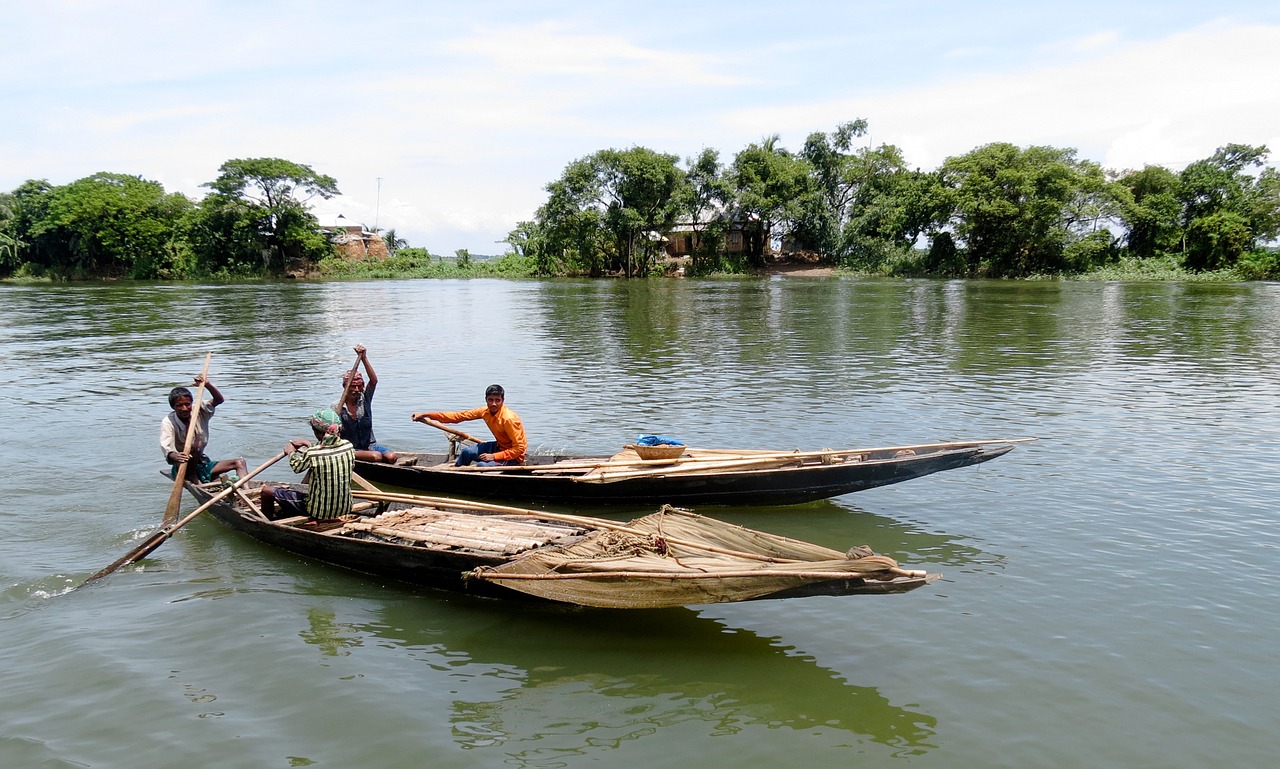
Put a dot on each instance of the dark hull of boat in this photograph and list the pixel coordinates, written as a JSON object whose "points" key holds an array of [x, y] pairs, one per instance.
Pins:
{"points": [[446, 570], [781, 486]]}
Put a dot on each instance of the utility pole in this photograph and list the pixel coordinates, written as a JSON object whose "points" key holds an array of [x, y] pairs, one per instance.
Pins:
{"points": [[377, 207]]}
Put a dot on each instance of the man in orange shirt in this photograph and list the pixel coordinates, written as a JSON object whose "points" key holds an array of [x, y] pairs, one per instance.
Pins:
{"points": [[510, 444]]}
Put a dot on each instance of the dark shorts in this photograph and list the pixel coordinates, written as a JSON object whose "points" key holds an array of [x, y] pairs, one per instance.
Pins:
{"points": [[290, 501], [202, 466]]}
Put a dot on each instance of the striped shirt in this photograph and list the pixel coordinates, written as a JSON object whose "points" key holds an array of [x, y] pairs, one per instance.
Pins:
{"points": [[329, 485]]}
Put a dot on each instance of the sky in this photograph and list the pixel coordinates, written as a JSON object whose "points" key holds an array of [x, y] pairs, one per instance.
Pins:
{"points": [[446, 120]]}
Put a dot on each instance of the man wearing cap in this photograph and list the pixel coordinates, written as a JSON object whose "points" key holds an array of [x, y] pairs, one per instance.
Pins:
{"points": [[510, 446], [328, 462]]}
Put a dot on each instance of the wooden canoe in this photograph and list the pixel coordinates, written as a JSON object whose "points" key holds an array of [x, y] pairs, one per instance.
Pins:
{"points": [[669, 558], [699, 477]]}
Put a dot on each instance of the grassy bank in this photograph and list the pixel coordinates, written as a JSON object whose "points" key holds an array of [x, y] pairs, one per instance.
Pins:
{"points": [[417, 263]]}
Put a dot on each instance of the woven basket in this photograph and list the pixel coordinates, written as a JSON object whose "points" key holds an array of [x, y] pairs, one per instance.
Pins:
{"points": [[656, 452]]}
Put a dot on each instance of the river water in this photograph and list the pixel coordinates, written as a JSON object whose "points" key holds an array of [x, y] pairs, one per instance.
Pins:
{"points": [[1110, 591]]}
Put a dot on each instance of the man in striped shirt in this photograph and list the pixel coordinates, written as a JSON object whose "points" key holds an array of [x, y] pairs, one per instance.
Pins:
{"points": [[329, 463]]}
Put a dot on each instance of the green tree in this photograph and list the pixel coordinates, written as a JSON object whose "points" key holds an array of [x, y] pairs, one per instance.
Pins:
{"points": [[571, 222], [1229, 207], [1016, 210], [528, 241], [892, 208], [276, 192], [836, 182], [226, 235], [1152, 212], [709, 193], [31, 200], [943, 257], [865, 205], [643, 192], [394, 242], [106, 225], [9, 242], [1217, 240], [609, 210], [770, 188]]}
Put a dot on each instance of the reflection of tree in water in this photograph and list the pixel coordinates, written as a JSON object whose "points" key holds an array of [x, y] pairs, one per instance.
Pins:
{"points": [[567, 682], [333, 637]]}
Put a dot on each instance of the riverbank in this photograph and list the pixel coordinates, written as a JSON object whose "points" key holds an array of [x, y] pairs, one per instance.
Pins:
{"points": [[510, 266]]}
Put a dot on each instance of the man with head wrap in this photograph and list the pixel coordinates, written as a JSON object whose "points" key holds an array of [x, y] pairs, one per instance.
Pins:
{"points": [[356, 412], [328, 463]]}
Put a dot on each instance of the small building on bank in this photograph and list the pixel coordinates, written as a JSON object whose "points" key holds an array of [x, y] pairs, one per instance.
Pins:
{"points": [[686, 239], [352, 239]]}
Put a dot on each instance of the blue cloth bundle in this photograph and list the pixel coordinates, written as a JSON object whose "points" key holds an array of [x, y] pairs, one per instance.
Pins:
{"points": [[658, 440]]}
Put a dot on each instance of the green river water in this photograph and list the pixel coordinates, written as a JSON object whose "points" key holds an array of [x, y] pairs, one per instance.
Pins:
{"points": [[1110, 593]]}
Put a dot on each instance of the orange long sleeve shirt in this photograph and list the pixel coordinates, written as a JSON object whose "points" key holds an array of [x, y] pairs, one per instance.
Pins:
{"points": [[506, 427]]}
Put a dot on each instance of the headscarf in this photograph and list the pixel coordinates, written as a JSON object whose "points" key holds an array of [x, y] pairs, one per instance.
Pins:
{"points": [[341, 406], [326, 422]]}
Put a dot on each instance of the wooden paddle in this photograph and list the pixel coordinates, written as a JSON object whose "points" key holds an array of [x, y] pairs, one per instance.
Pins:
{"points": [[164, 532], [346, 390], [180, 476], [448, 429]]}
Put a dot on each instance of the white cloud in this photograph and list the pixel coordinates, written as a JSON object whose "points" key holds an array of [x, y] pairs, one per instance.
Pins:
{"points": [[1164, 102], [553, 49], [1094, 42], [468, 113]]}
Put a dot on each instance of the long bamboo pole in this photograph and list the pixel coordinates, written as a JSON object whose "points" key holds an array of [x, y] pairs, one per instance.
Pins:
{"points": [[897, 572], [745, 454], [448, 429], [875, 450], [180, 475], [163, 533], [694, 465], [610, 476]]}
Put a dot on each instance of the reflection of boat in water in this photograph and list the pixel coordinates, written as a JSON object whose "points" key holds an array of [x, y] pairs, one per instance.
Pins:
{"points": [[669, 558], [539, 679]]}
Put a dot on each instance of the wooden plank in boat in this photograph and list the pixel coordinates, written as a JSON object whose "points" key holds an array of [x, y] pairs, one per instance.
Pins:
{"points": [[431, 527]]}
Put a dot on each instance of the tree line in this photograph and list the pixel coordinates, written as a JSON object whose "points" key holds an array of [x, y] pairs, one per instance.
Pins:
{"points": [[996, 211], [255, 220]]}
